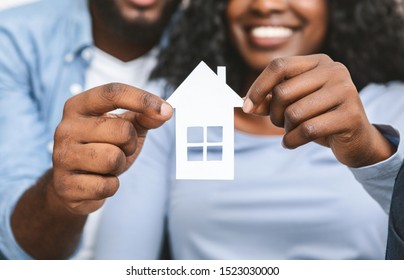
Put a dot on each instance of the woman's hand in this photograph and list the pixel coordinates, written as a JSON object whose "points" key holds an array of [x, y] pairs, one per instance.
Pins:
{"points": [[314, 99]]}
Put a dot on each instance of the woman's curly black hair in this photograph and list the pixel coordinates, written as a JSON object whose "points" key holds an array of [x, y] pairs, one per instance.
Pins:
{"points": [[367, 36]]}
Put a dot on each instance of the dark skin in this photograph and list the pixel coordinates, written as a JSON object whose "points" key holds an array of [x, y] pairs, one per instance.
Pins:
{"points": [[88, 157], [308, 97], [116, 39], [91, 149], [87, 161], [115, 45], [312, 99]]}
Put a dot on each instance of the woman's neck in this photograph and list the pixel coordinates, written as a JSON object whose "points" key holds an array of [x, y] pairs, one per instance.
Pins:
{"points": [[257, 125], [252, 124]]}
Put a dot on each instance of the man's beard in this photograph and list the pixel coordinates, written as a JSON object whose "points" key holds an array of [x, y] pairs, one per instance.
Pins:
{"points": [[139, 31]]}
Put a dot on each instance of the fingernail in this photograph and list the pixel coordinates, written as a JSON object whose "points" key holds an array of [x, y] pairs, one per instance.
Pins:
{"points": [[248, 105], [166, 110]]}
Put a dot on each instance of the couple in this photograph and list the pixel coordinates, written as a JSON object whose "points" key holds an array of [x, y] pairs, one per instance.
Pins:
{"points": [[302, 202]]}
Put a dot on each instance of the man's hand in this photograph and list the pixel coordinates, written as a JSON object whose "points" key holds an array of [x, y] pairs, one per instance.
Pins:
{"points": [[93, 147], [314, 99]]}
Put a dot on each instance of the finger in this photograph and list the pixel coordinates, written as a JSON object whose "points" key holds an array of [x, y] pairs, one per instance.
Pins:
{"points": [[316, 128], [142, 123], [277, 71], [289, 91], [310, 106], [294, 89], [263, 109], [106, 98], [85, 187], [109, 129], [99, 158]]}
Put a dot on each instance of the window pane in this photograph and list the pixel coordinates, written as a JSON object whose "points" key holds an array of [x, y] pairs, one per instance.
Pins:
{"points": [[195, 134], [215, 153], [215, 134], [195, 153]]}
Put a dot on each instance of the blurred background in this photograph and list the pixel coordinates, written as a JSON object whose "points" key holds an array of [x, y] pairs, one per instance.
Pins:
{"points": [[10, 3]]}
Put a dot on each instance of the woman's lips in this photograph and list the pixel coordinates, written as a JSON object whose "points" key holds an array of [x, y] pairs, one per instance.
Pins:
{"points": [[270, 36]]}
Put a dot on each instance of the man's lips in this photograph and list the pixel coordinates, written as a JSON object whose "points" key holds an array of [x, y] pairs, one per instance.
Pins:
{"points": [[143, 3]]}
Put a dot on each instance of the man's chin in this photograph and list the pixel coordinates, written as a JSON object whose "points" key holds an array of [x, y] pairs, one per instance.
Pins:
{"points": [[141, 32], [136, 24]]}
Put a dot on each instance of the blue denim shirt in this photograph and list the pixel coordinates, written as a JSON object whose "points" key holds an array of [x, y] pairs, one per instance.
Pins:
{"points": [[41, 64]]}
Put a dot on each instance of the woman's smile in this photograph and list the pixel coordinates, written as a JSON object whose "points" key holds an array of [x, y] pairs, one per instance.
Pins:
{"points": [[263, 30]]}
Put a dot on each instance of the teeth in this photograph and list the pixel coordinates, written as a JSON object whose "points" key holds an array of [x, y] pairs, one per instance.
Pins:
{"points": [[271, 32]]}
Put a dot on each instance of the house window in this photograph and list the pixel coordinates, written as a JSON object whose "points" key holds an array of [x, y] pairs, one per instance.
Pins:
{"points": [[205, 143]]}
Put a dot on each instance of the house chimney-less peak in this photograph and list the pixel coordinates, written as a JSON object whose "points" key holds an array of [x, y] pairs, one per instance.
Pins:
{"points": [[221, 72]]}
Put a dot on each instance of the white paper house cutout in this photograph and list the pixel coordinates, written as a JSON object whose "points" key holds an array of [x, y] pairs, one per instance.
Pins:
{"points": [[204, 115]]}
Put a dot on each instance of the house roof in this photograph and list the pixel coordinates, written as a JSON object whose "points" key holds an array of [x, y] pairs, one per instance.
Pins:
{"points": [[204, 88]]}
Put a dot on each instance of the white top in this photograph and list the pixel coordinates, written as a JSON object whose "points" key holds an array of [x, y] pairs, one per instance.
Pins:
{"points": [[103, 69], [283, 204]]}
